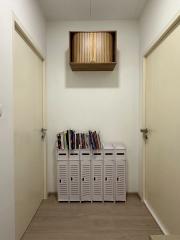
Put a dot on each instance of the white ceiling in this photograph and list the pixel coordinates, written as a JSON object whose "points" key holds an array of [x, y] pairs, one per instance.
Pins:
{"points": [[92, 9]]}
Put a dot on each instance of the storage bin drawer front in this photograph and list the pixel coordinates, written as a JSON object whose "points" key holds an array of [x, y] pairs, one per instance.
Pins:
{"points": [[97, 178], [62, 155], [63, 181], [85, 180], [121, 180], [85, 155], [109, 171], [120, 154], [109, 155], [74, 180], [97, 155], [74, 155]]}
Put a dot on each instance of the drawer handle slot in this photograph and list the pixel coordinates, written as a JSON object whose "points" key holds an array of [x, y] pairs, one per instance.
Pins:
{"points": [[60, 180], [85, 154], [62, 154], [109, 154], [119, 153], [73, 154]]}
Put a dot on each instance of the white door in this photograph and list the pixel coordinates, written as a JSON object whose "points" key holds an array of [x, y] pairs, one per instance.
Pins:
{"points": [[162, 164], [109, 180], [63, 180], [28, 117], [97, 180], [74, 180], [85, 180]]}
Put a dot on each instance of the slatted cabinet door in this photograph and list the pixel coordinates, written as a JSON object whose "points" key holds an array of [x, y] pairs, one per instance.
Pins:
{"points": [[120, 180], [109, 168], [85, 180], [63, 180], [97, 180], [74, 180]]}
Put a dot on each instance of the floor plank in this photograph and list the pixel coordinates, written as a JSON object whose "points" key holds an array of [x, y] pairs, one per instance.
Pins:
{"points": [[96, 221]]}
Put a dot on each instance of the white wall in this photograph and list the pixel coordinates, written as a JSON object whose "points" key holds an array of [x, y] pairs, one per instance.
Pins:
{"points": [[155, 18], [106, 101], [29, 14]]}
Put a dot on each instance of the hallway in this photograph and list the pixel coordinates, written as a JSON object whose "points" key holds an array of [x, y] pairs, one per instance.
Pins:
{"points": [[85, 221]]}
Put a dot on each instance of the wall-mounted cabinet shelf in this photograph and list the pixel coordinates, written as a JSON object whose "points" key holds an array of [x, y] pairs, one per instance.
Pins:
{"points": [[92, 51]]}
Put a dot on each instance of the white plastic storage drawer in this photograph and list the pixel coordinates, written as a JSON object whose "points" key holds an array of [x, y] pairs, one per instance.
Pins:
{"points": [[109, 172], [120, 154], [62, 155], [120, 187], [63, 181], [109, 155], [85, 180], [108, 151], [97, 180], [85, 154], [73, 155], [97, 155], [74, 181], [119, 151]]}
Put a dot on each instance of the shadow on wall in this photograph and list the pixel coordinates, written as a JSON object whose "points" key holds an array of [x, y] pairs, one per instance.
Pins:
{"points": [[91, 79]]}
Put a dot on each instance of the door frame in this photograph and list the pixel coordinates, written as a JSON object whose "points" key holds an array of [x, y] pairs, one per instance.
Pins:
{"points": [[165, 33], [18, 27]]}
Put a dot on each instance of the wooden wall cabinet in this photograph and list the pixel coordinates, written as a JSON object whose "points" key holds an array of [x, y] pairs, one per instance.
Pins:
{"points": [[93, 51]]}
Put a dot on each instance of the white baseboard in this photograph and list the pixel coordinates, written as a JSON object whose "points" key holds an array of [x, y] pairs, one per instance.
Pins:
{"points": [[162, 227]]}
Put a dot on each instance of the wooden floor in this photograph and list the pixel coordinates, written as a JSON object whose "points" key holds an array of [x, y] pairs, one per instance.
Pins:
{"points": [[96, 221]]}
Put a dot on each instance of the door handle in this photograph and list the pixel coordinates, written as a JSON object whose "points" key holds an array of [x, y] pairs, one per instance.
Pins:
{"points": [[43, 132], [145, 132]]}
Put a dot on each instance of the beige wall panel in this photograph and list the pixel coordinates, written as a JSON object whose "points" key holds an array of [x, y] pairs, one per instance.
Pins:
{"points": [[162, 165], [28, 77]]}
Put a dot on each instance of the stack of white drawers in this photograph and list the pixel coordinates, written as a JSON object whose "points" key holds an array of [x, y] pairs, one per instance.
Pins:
{"points": [[97, 175]]}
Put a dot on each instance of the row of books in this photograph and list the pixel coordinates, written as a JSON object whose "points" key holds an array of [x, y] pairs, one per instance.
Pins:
{"points": [[71, 140]]}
